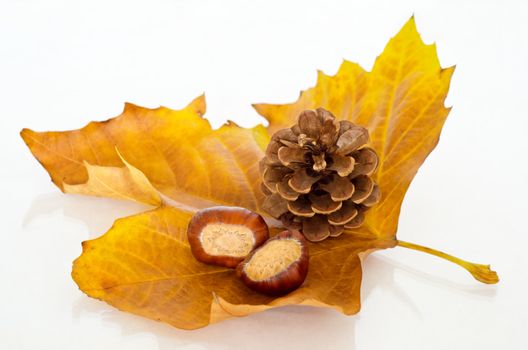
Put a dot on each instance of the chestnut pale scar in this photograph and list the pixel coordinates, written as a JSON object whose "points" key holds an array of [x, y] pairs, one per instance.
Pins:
{"points": [[227, 240], [272, 259]]}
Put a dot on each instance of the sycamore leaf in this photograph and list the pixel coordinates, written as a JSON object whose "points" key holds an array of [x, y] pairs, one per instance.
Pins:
{"points": [[144, 265], [177, 151], [401, 102]]}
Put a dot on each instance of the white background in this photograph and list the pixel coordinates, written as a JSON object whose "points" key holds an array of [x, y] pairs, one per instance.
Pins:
{"points": [[64, 63]]}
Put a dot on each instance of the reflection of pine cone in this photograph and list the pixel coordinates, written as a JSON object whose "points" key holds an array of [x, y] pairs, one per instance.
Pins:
{"points": [[316, 175]]}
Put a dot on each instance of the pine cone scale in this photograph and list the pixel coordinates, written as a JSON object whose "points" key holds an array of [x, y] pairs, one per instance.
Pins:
{"points": [[323, 204], [288, 155], [343, 165], [364, 186], [339, 188], [336, 230], [351, 140], [301, 181], [301, 207], [310, 124], [316, 228], [344, 215], [374, 197], [286, 192]]}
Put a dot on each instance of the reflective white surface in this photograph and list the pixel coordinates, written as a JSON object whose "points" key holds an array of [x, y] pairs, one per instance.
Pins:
{"points": [[64, 63]]}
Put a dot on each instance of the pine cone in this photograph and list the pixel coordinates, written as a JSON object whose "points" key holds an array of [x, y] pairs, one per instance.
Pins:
{"points": [[316, 175]]}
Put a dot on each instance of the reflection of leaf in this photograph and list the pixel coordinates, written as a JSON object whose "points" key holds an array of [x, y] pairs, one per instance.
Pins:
{"points": [[178, 152], [144, 265], [401, 102]]}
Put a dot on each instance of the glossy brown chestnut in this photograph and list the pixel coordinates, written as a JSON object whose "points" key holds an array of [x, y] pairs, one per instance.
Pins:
{"points": [[277, 267], [225, 236]]}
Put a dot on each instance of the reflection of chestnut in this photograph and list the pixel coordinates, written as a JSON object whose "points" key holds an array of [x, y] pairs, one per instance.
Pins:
{"points": [[225, 235], [278, 267]]}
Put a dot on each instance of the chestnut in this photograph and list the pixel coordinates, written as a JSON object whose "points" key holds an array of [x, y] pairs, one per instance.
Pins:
{"points": [[277, 267], [224, 236]]}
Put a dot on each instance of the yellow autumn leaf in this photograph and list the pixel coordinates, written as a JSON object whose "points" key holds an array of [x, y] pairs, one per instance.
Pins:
{"points": [[178, 152], [144, 265], [401, 103]]}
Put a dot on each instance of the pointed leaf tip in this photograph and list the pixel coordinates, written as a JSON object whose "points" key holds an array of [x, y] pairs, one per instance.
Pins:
{"points": [[410, 24], [198, 105], [129, 107]]}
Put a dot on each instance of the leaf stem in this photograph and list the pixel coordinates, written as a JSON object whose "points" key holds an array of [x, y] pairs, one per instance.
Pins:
{"points": [[480, 272]]}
